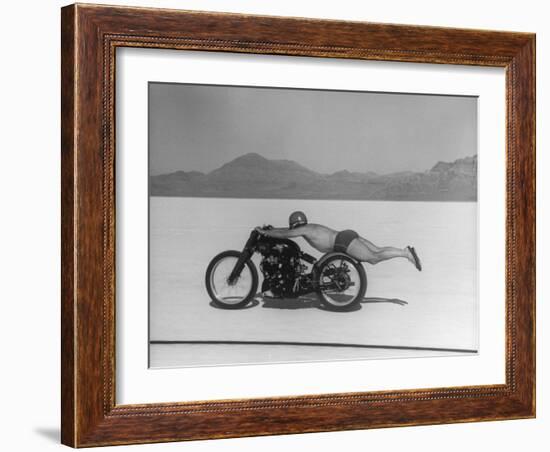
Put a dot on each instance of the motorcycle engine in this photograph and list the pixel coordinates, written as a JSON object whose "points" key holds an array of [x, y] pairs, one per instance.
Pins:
{"points": [[280, 266]]}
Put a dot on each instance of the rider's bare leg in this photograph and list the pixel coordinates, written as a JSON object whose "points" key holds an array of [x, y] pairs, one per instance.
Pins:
{"points": [[365, 251]]}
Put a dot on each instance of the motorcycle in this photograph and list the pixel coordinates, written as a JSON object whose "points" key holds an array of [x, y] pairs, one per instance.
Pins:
{"points": [[339, 281]]}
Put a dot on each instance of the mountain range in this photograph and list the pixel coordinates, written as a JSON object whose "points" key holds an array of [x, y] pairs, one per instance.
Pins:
{"points": [[254, 176]]}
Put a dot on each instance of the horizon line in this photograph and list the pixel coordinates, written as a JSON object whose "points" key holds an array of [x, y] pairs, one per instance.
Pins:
{"points": [[268, 198]]}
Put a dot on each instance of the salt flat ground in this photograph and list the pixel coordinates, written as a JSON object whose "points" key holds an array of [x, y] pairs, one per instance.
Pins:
{"points": [[435, 309]]}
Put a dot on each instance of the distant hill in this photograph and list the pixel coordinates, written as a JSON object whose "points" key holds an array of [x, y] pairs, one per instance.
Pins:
{"points": [[254, 176]]}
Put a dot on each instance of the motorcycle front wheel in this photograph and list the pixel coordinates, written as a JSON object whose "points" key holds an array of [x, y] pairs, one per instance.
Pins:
{"points": [[238, 294], [341, 283]]}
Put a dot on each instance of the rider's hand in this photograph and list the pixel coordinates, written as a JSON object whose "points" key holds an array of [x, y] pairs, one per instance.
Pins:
{"points": [[260, 230]]}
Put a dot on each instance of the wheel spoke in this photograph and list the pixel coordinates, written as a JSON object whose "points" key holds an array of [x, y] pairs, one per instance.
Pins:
{"points": [[341, 282], [230, 293]]}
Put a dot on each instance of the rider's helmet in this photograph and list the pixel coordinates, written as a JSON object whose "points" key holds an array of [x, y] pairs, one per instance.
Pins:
{"points": [[296, 219]]}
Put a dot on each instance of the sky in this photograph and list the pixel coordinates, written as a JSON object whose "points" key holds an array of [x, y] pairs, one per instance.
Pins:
{"points": [[201, 127]]}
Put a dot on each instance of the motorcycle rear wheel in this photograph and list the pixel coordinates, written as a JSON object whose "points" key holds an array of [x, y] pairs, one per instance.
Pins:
{"points": [[339, 299], [230, 296]]}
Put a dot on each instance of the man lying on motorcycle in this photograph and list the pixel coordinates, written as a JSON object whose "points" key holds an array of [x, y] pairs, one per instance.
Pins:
{"points": [[326, 240]]}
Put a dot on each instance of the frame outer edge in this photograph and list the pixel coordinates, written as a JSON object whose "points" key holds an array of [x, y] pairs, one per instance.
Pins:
{"points": [[525, 62], [86, 418], [534, 225], [68, 242]]}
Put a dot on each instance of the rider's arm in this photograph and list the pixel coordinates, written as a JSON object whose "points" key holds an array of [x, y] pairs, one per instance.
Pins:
{"points": [[281, 233]]}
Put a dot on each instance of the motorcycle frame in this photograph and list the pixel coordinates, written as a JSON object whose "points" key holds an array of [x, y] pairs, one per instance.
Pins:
{"points": [[250, 248]]}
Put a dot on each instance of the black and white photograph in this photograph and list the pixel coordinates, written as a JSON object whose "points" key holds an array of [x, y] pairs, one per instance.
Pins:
{"points": [[298, 225], [287, 225]]}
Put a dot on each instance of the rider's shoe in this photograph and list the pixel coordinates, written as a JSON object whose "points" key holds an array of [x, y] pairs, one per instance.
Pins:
{"points": [[416, 259]]}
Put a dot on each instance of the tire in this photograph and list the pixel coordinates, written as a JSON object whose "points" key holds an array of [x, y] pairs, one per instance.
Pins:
{"points": [[215, 277], [347, 303]]}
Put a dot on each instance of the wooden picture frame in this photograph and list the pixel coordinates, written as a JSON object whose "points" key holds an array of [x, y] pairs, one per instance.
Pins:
{"points": [[90, 35]]}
